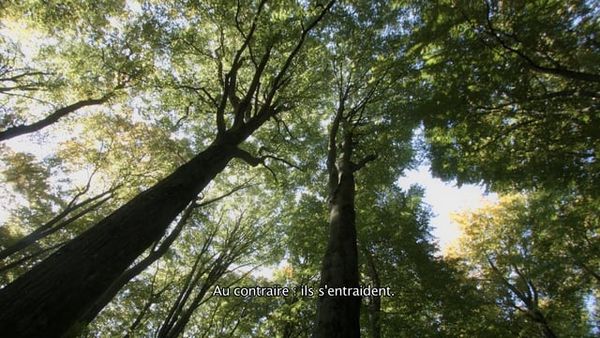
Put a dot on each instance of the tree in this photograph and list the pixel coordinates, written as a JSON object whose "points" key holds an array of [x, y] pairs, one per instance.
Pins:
{"points": [[510, 92], [367, 113], [175, 295], [59, 70], [165, 107], [432, 296], [73, 277], [519, 251]]}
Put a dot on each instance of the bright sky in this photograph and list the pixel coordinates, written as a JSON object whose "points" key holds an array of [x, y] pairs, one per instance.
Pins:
{"points": [[446, 199]]}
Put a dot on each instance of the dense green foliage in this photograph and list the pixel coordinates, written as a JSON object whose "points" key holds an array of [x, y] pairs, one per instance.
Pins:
{"points": [[513, 100], [100, 100]]}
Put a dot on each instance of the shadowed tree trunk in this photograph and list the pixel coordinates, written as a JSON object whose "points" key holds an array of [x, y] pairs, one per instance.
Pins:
{"points": [[48, 300], [135, 270], [374, 306], [339, 316], [152, 257]]}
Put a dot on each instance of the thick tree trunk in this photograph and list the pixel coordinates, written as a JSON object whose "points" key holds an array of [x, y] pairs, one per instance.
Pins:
{"points": [[340, 316], [48, 300], [135, 270]]}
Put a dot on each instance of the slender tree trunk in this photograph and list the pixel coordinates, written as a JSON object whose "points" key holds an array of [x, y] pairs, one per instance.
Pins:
{"points": [[205, 277], [47, 300], [339, 316], [152, 299], [374, 307], [140, 317]]}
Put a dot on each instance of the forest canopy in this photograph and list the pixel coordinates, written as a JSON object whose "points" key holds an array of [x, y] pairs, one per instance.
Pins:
{"points": [[231, 168]]}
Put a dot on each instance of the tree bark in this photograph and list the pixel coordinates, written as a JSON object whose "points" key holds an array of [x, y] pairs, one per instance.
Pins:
{"points": [[47, 300], [339, 316], [135, 270]]}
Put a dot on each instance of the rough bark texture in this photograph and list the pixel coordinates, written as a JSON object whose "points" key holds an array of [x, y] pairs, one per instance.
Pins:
{"points": [[135, 270], [45, 301]]}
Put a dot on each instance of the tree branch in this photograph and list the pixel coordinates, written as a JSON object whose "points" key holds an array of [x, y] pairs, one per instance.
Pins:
{"points": [[52, 118], [244, 105], [558, 70], [364, 161], [511, 287]]}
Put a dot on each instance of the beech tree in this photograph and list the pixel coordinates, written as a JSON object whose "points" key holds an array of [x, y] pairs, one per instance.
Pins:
{"points": [[365, 101], [530, 274], [513, 94], [151, 151], [73, 277]]}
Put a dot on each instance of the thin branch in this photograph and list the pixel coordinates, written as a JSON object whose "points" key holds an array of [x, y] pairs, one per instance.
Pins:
{"points": [[244, 104], [229, 193], [364, 161], [559, 71], [52, 118], [30, 257], [511, 287]]}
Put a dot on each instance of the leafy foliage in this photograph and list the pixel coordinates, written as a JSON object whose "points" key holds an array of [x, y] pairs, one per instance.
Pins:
{"points": [[100, 100], [513, 92], [536, 259]]}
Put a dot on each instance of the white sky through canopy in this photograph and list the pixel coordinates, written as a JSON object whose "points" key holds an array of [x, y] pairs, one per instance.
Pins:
{"points": [[445, 199]]}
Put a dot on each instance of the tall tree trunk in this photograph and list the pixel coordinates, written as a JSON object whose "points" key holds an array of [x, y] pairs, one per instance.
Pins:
{"points": [[339, 316], [135, 270], [47, 300]]}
